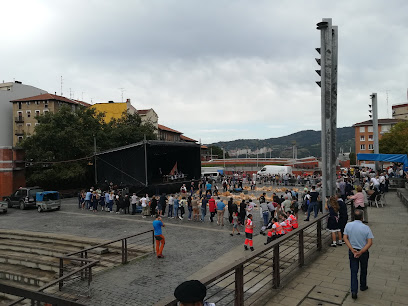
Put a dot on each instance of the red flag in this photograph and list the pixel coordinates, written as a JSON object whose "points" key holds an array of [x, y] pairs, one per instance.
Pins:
{"points": [[174, 169]]}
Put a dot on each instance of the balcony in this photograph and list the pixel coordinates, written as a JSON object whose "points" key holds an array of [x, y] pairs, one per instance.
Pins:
{"points": [[19, 119], [19, 133]]}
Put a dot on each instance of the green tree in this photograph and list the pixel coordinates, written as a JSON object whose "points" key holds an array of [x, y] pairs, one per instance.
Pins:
{"points": [[216, 150], [352, 157], [396, 141], [60, 152], [127, 130]]}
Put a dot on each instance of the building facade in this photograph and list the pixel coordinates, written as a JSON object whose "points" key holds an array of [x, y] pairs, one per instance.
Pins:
{"points": [[26, 110], [12, 174], [400, 111], [364, 133]]}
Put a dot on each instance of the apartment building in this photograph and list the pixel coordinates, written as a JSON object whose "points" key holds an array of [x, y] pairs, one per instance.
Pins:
{"points": [[26, 110], [364, 133], [12, 173]]}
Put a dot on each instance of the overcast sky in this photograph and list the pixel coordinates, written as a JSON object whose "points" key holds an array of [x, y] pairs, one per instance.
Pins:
{"points": [[216, 69]]}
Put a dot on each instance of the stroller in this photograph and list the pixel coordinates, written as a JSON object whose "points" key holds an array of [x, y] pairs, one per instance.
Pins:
{"points": [[265, 228]]}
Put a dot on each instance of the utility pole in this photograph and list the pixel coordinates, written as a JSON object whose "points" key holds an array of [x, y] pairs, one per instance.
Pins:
{"points": [[328, 83], [223, 156], [376, 148]]}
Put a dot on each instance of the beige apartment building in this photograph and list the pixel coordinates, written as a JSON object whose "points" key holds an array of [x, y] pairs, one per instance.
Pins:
{"points": [[26, 110]]}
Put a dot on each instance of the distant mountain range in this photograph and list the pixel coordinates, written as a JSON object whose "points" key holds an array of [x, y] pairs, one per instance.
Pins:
{"points": [[307, 142]]}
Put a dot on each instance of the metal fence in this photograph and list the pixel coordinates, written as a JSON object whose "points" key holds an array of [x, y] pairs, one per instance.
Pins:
{"points": [[251, 280], [78, 265]]}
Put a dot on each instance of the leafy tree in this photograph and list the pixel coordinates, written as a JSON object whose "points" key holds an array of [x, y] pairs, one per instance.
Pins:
{"points": [[396, 141], [127, 130], [61, 150], [216, 150], [352, 157]]}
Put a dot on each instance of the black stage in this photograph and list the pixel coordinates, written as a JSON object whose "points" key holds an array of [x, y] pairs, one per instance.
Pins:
{"points": [[149, 166]]}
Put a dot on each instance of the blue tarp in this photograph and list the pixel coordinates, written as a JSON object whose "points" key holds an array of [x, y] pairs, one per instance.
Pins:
{"points": [[393, 158]]}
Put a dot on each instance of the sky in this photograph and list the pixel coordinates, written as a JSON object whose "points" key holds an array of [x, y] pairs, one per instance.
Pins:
{"points": [[216, 70]]}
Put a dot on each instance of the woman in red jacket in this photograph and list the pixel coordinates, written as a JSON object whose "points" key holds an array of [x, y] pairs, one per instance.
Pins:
{"points": [[212, 208]]}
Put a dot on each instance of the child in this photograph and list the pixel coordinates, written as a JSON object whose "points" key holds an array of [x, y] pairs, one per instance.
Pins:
{"points": [[249, 230], [235, 224]]}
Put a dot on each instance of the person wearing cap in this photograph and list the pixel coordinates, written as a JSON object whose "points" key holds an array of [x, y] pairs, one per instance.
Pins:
{"points": [[191, 293]]}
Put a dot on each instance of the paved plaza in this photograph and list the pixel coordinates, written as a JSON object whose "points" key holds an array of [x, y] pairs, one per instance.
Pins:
{"points": [[195, 249], [327, 280]]}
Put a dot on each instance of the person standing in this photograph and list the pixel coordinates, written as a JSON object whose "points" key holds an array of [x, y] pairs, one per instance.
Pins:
{"points": [[242, 212], [204, 203], [359, 238], [153, 206], [126, 204], [212, 207], [145, 206], [264, 213], [235, 224], [162, 205], [220, 212], [314, 195], [230, 212], [249, 231], [171, 202], [359, 200], [176, 207], [333, 222], [158, 235]]}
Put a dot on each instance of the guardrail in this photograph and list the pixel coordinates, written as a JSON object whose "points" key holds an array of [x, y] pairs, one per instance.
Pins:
{"points": [[249, 280], [85, 272]]}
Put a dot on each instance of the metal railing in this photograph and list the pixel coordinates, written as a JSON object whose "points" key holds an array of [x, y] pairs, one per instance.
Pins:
{"points": [[251, 279], [84, 270]]}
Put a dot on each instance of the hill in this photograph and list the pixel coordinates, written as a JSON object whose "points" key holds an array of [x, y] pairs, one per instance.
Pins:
{"points": [[307, 142]]}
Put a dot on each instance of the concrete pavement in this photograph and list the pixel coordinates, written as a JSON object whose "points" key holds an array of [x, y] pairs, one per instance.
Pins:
{"points": [[327, 280]]}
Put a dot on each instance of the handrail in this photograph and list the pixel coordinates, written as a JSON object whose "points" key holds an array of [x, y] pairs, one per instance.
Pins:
{"points": [[37, 296], [107, 243], [238, 264], [88, 266]]}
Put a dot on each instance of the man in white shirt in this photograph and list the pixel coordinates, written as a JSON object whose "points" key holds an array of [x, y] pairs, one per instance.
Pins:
{"points": [[134, 201], [376, 183]]}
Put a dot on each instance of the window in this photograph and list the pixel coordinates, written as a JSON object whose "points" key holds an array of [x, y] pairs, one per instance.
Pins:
{"points": [[370, 137], [45, 105], [28, 124], [37, 113], [20, 138], [385, 128], [36, 124], [19, 105], [362, 147], [371, 146], [28, 103], [45, 111], [362, 138], [362, 129], [28, 114], [37, 102], [370, 129]]}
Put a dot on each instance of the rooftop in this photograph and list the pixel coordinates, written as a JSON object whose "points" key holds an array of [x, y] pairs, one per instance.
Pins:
{"points": [[185, 138], [380, 122], [167, 129], [48, 97]]}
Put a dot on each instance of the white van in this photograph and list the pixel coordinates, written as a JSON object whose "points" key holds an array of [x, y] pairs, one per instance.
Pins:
{"points": [[271, 169]]}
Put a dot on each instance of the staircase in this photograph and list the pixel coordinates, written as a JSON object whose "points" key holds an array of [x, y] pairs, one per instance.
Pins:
{"points": [[30, 259]]}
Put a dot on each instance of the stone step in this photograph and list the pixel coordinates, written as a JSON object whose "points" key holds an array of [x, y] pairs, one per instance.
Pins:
{"points": [[6, 299], [54, 241], [25, 275]]}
